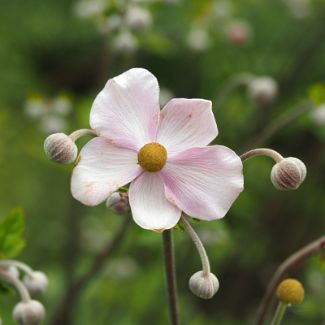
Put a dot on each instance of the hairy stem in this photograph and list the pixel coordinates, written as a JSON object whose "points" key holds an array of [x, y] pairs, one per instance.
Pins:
{"points": [[68, 302], [290, 263], [261, 152], [171, 276], [80, 133], [197, 241], [23, 292]]}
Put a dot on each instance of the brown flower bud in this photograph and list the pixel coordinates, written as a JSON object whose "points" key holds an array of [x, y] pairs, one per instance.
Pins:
{"points": [[60, 148], [288, 174], [119, 203]]}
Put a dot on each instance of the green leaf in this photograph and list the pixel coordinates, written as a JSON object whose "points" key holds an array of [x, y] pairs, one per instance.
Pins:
{"points": [[317, 93], [11, 234]]}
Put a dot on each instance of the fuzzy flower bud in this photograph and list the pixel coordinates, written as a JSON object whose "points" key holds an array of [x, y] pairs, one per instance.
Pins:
{"points": [[288, 174], [263, 90], [204, 286], [36, 282], [29, 313], [119, 203], [290, 291], [60, 148], [138, 18]]}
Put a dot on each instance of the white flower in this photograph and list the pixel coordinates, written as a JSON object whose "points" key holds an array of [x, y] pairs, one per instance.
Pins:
{"points": [[263, 90], [318, 115], [164, 155], [138, 18]]}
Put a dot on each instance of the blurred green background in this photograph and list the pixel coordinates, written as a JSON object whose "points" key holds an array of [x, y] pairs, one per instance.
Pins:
{"points": [[55, 56]]}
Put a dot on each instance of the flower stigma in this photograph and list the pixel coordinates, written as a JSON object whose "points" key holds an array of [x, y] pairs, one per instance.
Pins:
{"points": [[152, 157]]}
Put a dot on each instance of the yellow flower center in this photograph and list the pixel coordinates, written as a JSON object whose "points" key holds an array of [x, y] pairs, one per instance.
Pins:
{"points": [[290, 291], [152, 157]]}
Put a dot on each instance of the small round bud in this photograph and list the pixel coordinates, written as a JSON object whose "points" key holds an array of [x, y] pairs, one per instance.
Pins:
{"points": [[238, 32], [203, 285], [263, 90], [288, 174], [29, 313], [138, 18], [36, 282], [119, 203], [60, 148], [290, 291]]}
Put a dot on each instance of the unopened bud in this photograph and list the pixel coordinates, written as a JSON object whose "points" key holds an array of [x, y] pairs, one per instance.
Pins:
{"points": [[263, 90], [204, 285], [36, 282], [60, 148], [290, 291], [29, 313], [288, 174], [119, 203], [138, 18]]}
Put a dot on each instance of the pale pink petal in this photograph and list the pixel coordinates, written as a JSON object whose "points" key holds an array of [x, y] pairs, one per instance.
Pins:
{"points": [[126, 111], [149, 206], [204, 182], [102, 169], [186, 123]]}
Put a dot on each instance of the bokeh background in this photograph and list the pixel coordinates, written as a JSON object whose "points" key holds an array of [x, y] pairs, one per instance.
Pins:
{"points": [[55, 56]]}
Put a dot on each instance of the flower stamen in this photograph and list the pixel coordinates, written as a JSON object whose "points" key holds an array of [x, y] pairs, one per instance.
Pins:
{"points": [[152, 157]]}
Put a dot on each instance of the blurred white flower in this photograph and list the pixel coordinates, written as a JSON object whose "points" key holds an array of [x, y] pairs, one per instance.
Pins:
{"points": [[110, 24], [138, 18], [299, 8], [62, 105], [125, 42], [222, 9], [52, 124], [198, 39], [238, 32], [90, 8], [318, 115], [263, 90], [35, 108]]}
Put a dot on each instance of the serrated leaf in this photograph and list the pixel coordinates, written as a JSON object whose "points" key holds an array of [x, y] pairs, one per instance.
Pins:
{"points": [[11, 234]]}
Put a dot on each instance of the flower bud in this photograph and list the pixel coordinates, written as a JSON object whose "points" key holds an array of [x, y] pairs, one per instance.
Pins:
{"points": [[29, 313], [119, 203], [60, 148], [288, 174], [263, 90], [238, 32], [36, 282], [204, 285], [290, 291]]}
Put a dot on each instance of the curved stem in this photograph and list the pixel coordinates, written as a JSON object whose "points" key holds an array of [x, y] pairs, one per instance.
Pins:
{"points": [[66, 305], [279, 313], [198, 243], [22, 266], [23, 292], [231, 84], [80, 133], [262, 152], [171, 276], [315, 247], [281, 122]]}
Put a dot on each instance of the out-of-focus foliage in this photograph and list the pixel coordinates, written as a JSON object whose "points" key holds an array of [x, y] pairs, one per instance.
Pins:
{"points": [[11, 234], [192, 48]]}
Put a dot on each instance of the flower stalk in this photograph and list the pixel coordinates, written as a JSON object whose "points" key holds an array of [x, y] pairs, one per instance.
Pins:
{"points": [[23, 292], [279, 313], [171, 276], [262, 152], [81, 133], [198, 243]]}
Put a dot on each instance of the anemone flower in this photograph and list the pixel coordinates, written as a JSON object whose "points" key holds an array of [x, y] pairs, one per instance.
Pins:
{"points": [[164, 155]]}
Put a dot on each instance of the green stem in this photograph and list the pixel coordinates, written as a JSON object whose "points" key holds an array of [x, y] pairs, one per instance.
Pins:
{"points": [[171, 276], [279, 313]]}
